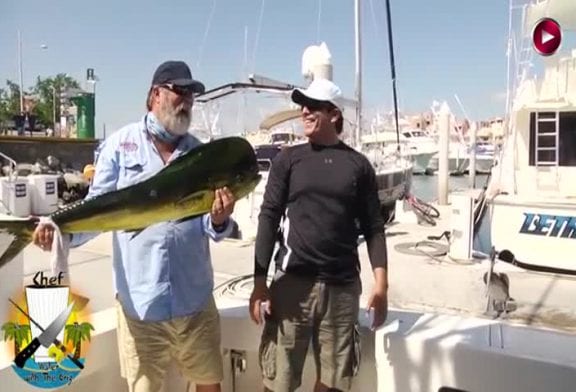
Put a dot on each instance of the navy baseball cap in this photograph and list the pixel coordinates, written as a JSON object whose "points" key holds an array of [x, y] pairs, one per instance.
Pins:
{"points": [[178, 74]]}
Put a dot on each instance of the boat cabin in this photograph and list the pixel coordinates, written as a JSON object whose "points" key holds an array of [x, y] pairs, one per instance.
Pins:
{"points": [[544, 120]]}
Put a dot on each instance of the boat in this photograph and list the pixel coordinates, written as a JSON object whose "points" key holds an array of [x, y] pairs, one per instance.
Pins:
{"points": [[439, 335], [421, 147], [415, 145], [486, 154], [458, 146], [532, 196]]}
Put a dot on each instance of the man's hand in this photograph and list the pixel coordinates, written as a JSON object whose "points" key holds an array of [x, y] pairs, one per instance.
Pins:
{"points": [[378, 303], [259, 298], [43, 236], [222, 207]]}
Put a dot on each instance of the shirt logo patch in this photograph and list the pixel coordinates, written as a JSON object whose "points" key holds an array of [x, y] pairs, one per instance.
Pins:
{"points": [[128, 146]]}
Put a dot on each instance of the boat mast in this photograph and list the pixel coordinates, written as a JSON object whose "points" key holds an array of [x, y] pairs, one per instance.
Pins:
{"points": [[20, 79], [393, 70], [358, 74]]}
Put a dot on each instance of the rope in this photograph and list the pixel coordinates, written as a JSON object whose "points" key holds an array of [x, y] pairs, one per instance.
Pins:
{"points": [[415, 248], [205, 37], [318, 21], [239, 285], [258, 35], [374, 20]]}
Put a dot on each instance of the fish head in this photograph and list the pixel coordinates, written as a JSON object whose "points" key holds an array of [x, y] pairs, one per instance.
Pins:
{"points": [[244, 184], [228, 162], [241, 183], [245, 175]]}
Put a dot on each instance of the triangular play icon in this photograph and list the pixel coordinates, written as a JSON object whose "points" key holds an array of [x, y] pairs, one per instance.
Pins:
{"points": [[546, 36]]}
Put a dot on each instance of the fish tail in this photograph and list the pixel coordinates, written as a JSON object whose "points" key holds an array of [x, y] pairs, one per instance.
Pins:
{"points": [[21, 230]]}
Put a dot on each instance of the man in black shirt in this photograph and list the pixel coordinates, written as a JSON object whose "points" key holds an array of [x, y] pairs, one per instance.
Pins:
{"points": [[325, 193]]}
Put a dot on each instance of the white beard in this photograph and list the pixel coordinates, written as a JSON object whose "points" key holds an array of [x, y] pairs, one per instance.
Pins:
{"points": [[175, 120]]}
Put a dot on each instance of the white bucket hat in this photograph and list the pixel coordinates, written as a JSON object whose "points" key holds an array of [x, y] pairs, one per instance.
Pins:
{"points": [[322, 90]]}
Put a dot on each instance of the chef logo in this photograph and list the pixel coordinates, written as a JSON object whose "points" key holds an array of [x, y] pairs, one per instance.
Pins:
{"points": [[47, 332]]}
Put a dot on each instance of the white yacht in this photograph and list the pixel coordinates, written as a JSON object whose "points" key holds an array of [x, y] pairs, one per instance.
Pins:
{"points": [[421, 146], [458, 157], [532, 194], [415, 145], [486, 154]]}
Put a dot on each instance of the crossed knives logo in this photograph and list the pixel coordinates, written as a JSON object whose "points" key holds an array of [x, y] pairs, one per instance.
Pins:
{"points": [[46, 338], [63, 362]]}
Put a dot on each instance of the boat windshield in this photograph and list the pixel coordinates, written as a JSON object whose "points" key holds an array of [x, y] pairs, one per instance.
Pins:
{"points": [[265, 154], [282, 137]]}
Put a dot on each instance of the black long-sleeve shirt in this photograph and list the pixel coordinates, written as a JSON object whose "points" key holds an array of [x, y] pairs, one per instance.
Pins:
{"points": [[328, 196]]}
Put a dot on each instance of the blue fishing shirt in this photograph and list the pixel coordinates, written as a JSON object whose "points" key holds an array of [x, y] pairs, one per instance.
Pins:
{"points": [[165, 271]]}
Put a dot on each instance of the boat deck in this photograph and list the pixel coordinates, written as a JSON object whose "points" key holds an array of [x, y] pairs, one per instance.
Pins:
{"points": [[422, 279], [425, 281]]}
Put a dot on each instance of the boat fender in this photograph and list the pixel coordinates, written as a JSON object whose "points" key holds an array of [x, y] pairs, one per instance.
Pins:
{"points": [[508, 257]]}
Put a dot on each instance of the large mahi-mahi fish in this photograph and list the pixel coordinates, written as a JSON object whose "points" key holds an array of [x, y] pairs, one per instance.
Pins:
{"points": [[183, 189]]}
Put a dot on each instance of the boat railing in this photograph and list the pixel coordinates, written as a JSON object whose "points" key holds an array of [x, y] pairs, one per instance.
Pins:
{"points": [[12, 174], [12, 166]]}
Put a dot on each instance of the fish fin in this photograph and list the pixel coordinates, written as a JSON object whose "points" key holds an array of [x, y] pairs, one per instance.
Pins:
{"points": [[22, 230], [192, 198], [135, 233], [187, 218]]}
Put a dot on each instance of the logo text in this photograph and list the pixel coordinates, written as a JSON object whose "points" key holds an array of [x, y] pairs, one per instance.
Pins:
{"points": [[549, 225]]}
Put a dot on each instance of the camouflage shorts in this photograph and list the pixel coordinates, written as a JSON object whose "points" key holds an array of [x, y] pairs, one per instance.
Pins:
{"points": [[305, 311]]}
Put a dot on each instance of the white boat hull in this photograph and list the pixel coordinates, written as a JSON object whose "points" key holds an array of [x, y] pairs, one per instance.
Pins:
{"points": [[536, 232], [422, 352], [455, 164], [421, 162], [442, 353], [484, 164], [393, 184]]}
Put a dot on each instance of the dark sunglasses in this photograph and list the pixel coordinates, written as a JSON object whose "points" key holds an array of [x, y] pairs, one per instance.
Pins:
{"points": [[180, 90], [317, 106]]}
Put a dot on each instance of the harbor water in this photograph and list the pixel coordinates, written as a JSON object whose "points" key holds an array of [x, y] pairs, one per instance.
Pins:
{"points": [[426, 187]]}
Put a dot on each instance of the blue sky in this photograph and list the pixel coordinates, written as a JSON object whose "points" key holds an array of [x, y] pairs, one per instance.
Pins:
{"points": [[441, 47]]}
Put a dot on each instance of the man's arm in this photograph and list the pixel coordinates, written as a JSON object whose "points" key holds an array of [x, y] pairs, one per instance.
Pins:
{"points": [[104, 181], [271, 211], [372, 227]]}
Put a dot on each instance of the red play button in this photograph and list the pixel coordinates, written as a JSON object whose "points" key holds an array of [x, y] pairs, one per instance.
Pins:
{"points": [[546, 36]]}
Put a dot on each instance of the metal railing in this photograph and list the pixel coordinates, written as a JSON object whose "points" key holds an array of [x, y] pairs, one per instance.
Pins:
{"points": [[12, 175]]}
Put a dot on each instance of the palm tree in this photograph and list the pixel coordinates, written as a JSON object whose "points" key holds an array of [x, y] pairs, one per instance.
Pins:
{"points": [[76, 333], [20, 333]]}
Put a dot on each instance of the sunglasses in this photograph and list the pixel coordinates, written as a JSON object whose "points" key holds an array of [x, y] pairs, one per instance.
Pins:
{"points": [[179, 90], [316, 106]]}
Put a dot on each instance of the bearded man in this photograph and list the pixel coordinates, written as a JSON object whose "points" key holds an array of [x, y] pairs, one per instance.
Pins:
{"points": [[163, 275]]}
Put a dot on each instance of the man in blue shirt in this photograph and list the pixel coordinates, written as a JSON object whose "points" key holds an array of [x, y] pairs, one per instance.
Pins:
{"points": [[163, 275]]}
